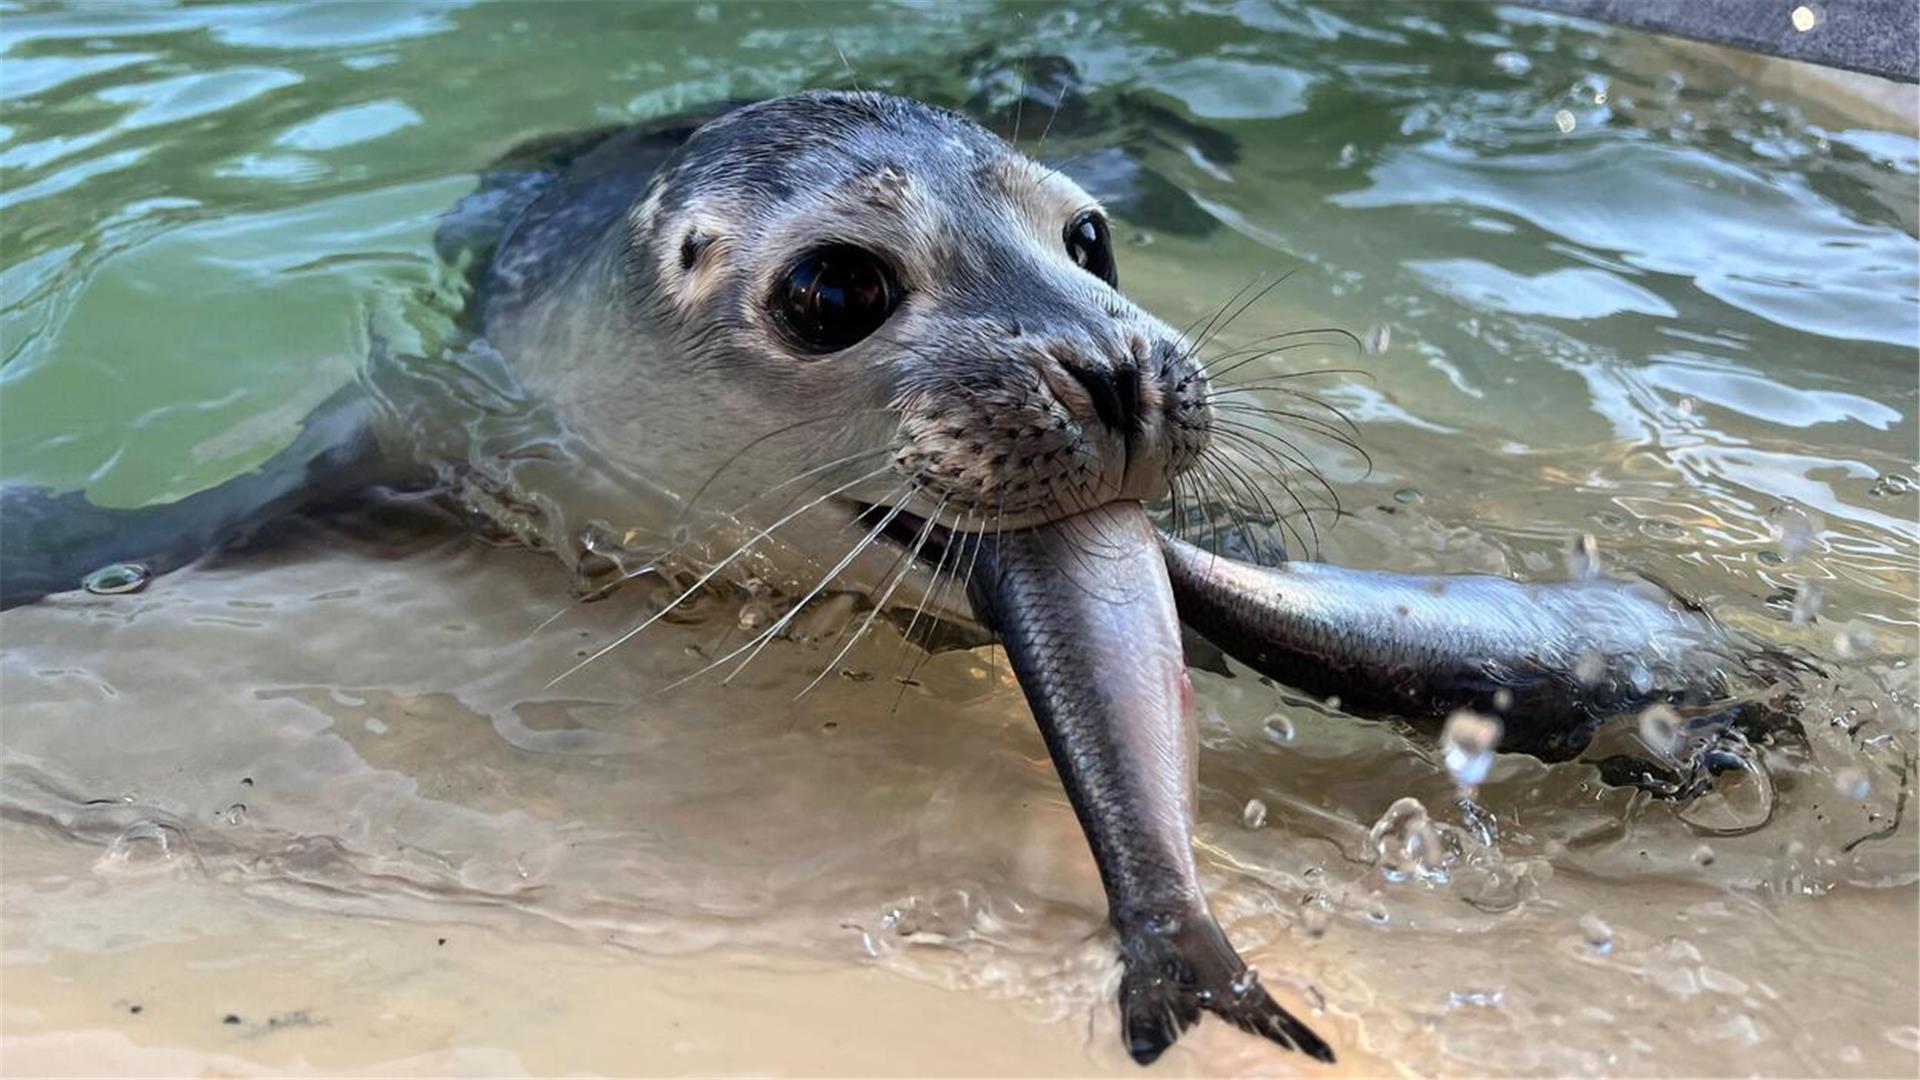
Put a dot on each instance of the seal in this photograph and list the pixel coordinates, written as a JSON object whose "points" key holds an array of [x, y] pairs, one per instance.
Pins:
{"points": [[870, 330]]}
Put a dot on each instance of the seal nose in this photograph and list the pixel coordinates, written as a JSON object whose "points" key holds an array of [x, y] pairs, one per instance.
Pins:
{"points": [[1115, 393]]}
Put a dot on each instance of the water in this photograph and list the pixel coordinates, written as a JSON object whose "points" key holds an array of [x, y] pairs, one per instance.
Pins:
{"points": [[1607, 288]]}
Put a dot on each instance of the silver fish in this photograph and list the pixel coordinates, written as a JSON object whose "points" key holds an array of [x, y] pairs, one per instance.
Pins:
{"points": [[1085, 610]]}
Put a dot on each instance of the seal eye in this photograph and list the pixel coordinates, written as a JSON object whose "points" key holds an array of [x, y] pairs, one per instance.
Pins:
{"points": [[1091, 247], [835, 296]]}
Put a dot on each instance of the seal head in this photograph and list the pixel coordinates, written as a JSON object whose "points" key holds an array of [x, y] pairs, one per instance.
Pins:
{"points": [[861, 277]]}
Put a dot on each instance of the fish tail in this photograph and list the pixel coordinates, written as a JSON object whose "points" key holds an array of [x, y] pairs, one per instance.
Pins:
{"points": [[1172, 976]]}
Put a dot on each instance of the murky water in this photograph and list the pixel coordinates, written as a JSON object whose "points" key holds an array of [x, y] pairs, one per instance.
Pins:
{"points": [[1606, 286]]}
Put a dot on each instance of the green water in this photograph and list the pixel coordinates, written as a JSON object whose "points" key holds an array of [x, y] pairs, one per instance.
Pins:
{"points": [[1606, 287]]}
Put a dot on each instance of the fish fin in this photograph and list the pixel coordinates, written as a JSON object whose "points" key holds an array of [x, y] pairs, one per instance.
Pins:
{"points": [[1170, 978]]}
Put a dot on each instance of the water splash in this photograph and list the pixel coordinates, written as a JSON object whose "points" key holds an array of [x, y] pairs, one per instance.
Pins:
{"points": [[1467, 745]]}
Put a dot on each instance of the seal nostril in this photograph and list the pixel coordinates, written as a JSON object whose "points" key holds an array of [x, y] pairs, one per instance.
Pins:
{"points": [[1115, 394]]}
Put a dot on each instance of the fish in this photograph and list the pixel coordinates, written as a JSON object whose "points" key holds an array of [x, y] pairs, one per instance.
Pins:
{"points": [[1085, 613]]}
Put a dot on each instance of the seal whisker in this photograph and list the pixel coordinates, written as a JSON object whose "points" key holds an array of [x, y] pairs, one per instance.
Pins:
{"points": [[1240, 442], [1257, 343], [1288, 455], [1216, 330], [759, 641], [714, 571], [1242, 357], [1312, 424], [934, 584], [906, 638], [694, 499], [1258, 501], [906, 562]]}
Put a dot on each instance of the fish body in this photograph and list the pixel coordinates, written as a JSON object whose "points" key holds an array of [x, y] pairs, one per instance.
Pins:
{"points": [[1086, 615]]}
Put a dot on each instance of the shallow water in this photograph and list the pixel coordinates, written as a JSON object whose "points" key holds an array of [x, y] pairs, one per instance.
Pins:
{"points": [[1607, 286]]}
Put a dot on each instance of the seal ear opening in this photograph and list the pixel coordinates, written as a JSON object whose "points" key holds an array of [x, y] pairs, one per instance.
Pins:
{"points": [[1171, 977]]}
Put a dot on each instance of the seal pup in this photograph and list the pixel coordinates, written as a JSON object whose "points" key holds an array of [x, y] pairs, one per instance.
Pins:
{"points": [[948, 311], [920, 331]]}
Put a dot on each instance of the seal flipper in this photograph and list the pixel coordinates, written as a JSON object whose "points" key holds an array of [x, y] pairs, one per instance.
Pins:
{"points": [[1173, 973], [50, 541]]}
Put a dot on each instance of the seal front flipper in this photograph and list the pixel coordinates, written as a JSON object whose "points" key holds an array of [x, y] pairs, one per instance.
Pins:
{"points": [[1085, 613]]}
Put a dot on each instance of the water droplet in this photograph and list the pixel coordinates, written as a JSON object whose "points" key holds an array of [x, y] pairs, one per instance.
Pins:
{"points": [[1408, 496], [1315, 915], [1564, 121], [1740, 797], [1502, 699], [1770, 557], [1279, 729], [1660, 729], [144, 847], [754, 616], [1583, 558], [1805, 18], [1512, 63], [1333, 702], [1596, 933], [1853, 784], [1377, 339], [1348, 155], [1405, 844], [1254, 814], [1794, 527], [235, 814], [1851, 642], [1244, 982], [1806, 603], [117, 579], [1467, 745], [1703, 856]]}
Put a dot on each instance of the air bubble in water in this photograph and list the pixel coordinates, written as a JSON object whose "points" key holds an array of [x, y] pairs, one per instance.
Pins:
{"points": [[1660, 729], [1254, 814], [1703, 856], [1279, 729], [1565, 121], [1407, 496], [117, 579], [235, 814], [1377, 339], [1502, 699], [1597, 934], [1467, 745]]}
